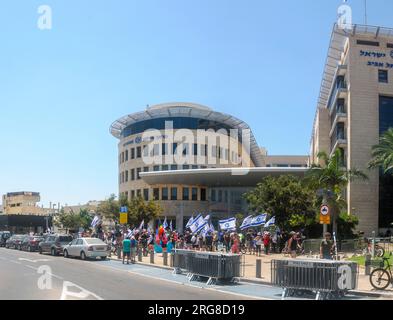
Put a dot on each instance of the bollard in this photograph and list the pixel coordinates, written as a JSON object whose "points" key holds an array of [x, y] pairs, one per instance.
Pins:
{"points": [[152, 256], [140, 255], [259, 268], [367, 265], [171, 260], [165, 256]]}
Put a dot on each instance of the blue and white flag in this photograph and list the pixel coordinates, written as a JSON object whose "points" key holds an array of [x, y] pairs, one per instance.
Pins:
{"points": [[259, 220], [129, 233], [170, 225], [246, 223], [271, 222], [165, 224], [205, 229], [211, 228], [198, 224], [190, 221], [95, 221], [207, 217], [227, 224], [142, 225]]}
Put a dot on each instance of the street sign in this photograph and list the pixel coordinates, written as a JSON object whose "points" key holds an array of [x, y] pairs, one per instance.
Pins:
{"points": [[123, 209], [324, 217], [123, 218]]}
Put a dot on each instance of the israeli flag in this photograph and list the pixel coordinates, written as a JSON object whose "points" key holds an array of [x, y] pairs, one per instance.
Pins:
{"points": [[129, 233], [198, 224], [165, 224], [259, 220], [271, 222], [246, 223], [190, 221], [227, 224], [95, 221], [142, 225], [211, 228], [205, 229], [207, 217]]}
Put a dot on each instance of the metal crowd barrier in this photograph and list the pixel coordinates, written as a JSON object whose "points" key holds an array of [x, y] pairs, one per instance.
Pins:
{"points": [[212, 265], [327, 278]]}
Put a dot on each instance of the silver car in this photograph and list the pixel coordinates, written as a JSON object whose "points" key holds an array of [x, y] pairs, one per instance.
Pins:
{"points": [[86, 248]]}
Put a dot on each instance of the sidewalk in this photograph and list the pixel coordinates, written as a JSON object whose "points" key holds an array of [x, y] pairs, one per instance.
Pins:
{"points": [[250, 271]]}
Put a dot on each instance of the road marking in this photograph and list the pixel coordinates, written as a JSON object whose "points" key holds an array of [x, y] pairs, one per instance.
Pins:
{"points": [[38, 260], [80, 295]]}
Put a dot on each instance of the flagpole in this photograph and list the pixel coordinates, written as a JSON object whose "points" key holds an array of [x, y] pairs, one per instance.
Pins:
{"points": [[365, 12]]}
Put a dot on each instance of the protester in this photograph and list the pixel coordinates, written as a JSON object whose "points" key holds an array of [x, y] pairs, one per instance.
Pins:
{"points": [[327, 247], [133, 246], [258, 244], [126, 249], [293, 244], [266, 242]]}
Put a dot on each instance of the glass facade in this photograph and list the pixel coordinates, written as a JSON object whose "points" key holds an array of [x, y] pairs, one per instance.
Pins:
{"points": [[178, 123], [385, 180]]}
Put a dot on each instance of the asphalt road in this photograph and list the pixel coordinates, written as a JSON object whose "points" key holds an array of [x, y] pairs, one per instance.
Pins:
{"points": [[31, 276]]}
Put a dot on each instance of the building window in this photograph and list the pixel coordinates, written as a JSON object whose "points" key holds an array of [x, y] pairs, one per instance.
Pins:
{"points": [[138, 171], [174, 147], [146, 194], [195, 149], [383, 76], [145, 169], [213, 195], [156, 168], [186, 194], [122, 157], [133, 153], [164, 195], [122, 177], [174, 167], [203, 194], [164, 167], [132, 174], [164, 149], [132, 194], [194, 166], [219, 195], [226, 196], [126, 155], [194, 194], [126, 175], [186, 166], [390, 45], [139, 192], [173, 193], [156, 150], [156, 194], [138, 152], [368, 43], [185, 149]]}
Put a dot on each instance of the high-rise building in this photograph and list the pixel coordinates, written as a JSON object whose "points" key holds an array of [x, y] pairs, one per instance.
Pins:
{"points": [[355, 107]]}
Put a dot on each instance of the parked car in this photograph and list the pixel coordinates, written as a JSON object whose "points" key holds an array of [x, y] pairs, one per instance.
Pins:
{"points": [[87, 248], [30, 243], [14, 241], [54, 244], [4, 236]]}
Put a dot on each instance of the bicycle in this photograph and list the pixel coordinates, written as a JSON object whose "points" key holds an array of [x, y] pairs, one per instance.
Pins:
{"points": [[380, 278]]}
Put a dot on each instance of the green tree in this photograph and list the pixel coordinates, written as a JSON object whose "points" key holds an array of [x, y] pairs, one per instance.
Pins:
{"points": [[70, 221], [333, 178], [382, 153], [110, 208], [283, 197], [139, 209]]}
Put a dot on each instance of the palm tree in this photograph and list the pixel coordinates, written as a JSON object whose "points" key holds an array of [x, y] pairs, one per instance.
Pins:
{"points": [[333, 178], [383, 152]]}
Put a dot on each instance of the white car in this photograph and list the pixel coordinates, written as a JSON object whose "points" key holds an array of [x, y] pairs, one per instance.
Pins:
{"points": [[87, 248]]}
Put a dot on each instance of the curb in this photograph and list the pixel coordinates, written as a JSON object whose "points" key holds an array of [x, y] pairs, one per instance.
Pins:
{"points": [[146, 264]]}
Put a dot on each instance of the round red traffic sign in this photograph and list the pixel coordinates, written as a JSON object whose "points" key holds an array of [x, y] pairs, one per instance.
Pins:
{"points": [[325, 210]]}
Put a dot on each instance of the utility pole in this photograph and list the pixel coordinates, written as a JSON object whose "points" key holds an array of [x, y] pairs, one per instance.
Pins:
{"points": [[365, 12]]}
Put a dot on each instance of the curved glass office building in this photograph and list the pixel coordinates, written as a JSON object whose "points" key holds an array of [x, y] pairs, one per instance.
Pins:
{"points": [[189, 158]]}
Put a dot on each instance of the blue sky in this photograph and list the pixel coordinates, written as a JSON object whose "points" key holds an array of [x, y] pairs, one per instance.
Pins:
{"points": [[60, 90]]}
